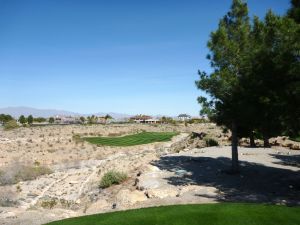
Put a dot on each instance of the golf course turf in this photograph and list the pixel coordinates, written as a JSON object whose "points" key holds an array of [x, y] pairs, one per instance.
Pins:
{"points": [[205, 214], [134, 139]]}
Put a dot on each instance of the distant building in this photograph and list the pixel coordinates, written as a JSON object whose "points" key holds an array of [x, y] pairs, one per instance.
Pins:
{"points": [[153, 120], [66, 119], [101, 119], [144, 119], [184, 117]]}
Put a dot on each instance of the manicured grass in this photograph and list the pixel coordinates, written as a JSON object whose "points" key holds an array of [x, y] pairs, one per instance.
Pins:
{"points": [[130, 140], [206, 214]]}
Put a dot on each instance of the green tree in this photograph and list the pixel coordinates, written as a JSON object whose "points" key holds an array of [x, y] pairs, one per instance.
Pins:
{"points": [[22, 119], [5, 118], [294, 11], [107, 117], [82, 119], [39, 119], [51, 120], [30, 119], [92, 119], [274, 76], [229, 46]]}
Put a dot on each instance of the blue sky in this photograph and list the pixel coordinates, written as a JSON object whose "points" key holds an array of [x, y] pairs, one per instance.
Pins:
{"points": [[109, 56]]}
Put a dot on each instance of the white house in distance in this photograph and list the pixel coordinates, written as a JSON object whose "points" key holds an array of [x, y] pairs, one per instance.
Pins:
{"points": [[60, 119], [184, 117], [144, 119]]}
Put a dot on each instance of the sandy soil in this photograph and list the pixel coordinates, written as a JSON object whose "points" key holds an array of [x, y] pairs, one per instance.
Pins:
{"points": [[175, 172]]}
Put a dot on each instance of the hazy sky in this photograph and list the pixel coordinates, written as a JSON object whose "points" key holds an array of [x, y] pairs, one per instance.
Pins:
{"points": [[109, 56]]}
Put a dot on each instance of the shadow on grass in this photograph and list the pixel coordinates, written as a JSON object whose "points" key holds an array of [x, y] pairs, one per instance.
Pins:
{"points": [[255, 183]]}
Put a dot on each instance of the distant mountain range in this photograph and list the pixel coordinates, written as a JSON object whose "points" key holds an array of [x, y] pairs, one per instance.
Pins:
{"points": [[26, 111]]}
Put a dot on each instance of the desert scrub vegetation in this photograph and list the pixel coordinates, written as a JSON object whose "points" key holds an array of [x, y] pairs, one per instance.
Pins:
{"points": [[49, 203], [10, 125], [112, 177], [7, 197], [77, 138], [16, 173], [211, 142]]}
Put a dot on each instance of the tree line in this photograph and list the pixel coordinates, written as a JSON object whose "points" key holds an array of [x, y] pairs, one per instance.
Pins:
{"points": [[254, 86], [4, 119]]}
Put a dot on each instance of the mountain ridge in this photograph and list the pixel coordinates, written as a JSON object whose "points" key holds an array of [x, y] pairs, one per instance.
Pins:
{"points": [[35, 112]]}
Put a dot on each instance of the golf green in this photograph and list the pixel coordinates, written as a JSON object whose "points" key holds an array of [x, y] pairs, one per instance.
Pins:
{"points": [[206, 214], [134, 139]]}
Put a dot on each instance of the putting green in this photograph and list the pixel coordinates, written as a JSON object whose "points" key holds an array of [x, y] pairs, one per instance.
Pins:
{"points": [[130, 140], [206, 214]]}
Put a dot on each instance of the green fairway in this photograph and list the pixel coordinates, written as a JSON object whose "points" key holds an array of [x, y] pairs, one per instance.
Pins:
{"points": [[206, 214], [130, 140]]}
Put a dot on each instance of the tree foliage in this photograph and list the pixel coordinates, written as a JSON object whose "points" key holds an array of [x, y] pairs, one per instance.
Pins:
{"points": [[82, 119], [294, 11], [22, 119], [5, 118], [39, 119], [30, 119], [229, 46], [254, 85], [51, 120]]}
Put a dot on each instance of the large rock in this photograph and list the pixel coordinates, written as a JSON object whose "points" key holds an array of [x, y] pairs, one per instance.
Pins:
{"points": [[98, 207], [150, 179], [204, 191], [127, 197], [162, 193], [296, 147]]}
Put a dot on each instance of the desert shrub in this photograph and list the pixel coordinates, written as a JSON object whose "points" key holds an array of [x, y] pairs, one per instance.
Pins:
{"points": [[77, 138], [197, 120], [49, 203], [112, 177], [12, 124], [7, 197], [17, 173], [211, 142]]}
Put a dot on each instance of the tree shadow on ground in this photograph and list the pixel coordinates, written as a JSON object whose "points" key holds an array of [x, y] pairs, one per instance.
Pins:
{"points": [[287, 160], [255, 183]]}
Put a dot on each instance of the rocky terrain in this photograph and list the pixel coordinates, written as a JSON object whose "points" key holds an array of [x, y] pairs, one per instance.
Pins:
{"points": [[183, 170]]}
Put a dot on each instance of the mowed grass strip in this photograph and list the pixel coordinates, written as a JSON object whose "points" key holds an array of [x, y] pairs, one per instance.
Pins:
{"points": [[134, 139], [206, 214]]}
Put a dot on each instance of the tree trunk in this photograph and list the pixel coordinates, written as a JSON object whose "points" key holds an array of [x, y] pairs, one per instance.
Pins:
{"points": [[266, 141], [252, 140], [234, 149]]}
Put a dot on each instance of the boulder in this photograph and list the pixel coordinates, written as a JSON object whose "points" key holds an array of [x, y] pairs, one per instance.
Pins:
{"points": [[126, 197], [162, 193], [98, 206], [200, 190], [295, 147]]}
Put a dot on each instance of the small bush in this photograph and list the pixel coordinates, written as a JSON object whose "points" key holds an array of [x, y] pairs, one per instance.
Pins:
{"points": [[49, 203], [77, 138], [112, 177], [8, 197], [12, 124], [211, 142]]}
